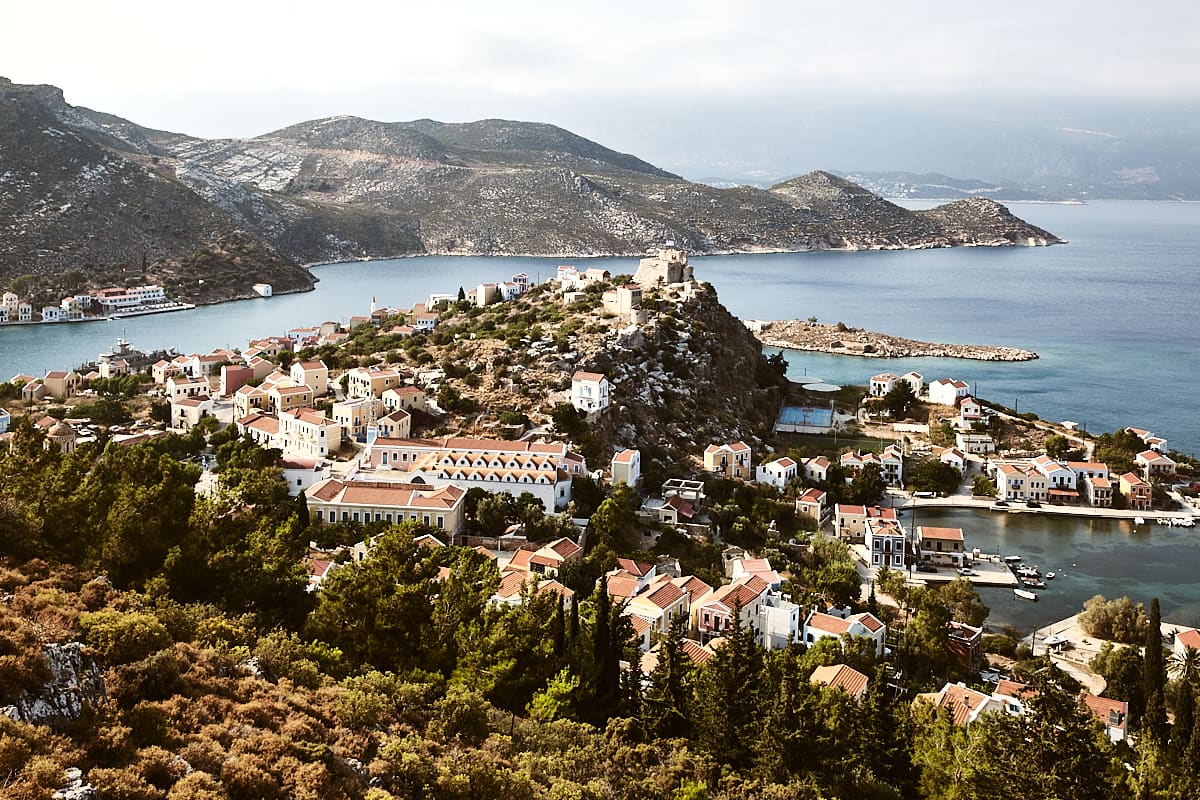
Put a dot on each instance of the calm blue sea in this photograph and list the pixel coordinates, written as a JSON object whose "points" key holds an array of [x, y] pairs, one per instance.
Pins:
{"points": [[1115, 316]]}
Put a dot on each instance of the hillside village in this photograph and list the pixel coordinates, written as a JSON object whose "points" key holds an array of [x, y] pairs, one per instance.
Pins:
{"points": [[622, 440]]}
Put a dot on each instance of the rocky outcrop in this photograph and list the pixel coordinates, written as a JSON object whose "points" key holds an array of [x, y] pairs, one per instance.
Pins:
{"points": [[75, 787], [846, 341], [91, 192], [76, 683]]}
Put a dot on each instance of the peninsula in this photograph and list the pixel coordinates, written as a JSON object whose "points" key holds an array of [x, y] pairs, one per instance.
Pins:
{"points": [[842, 340]]}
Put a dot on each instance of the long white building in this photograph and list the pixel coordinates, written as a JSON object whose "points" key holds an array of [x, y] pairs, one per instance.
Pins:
{"points": [[543, 470]]}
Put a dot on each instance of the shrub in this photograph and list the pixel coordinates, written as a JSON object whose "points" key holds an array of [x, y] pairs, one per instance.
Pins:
{"points": [[124, 636], [1119, 620]]}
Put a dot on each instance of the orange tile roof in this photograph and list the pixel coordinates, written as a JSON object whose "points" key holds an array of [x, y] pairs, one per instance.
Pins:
{"points": [[841, 676], [828, 623], [943, 534]]}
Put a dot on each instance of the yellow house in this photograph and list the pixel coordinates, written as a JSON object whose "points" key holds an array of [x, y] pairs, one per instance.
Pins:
{"points": [[732, 460]]}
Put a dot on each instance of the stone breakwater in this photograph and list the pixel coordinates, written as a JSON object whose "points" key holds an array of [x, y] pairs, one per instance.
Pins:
{"points": [[846, 341]]}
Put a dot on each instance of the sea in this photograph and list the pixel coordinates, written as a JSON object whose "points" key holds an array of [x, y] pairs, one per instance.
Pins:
{"points": [[1114, 316]]}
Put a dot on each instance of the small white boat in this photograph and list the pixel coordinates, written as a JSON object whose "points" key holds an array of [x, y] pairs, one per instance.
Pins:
{"points": [[1013, 559], [1025, 594], [1139, 521], [1050, 575]]}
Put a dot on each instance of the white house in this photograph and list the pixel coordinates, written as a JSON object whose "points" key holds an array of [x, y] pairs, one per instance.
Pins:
{"points": [[816, 469], [777, 473], [951, 457], [779, 620], [916, 380], [866, 625], [946, 391], [883, 383], [186, 412], [590, 391], [975, 443], [300, 473]]}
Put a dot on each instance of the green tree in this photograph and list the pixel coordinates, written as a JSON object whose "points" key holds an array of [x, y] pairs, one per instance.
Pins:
{"points": [[983, 486], [727, 702], [1154, 724], [666, 707], [900, 400], [1121, 668], [377, 610], [867, 487], [932, 475], [615, 519]]}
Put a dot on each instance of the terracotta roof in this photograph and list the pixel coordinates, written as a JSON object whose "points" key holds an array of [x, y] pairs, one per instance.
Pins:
{"points": [[694, 587], [841, 676], [640, 624], [511, 583], [698, 653], [811, 496], [665, 595], [1113, 713], [634, 567], [943, 534], [1188, 638], [681, 506], [625, 457], [587, 376], [960, 701], [622, 585], [828, 623]]}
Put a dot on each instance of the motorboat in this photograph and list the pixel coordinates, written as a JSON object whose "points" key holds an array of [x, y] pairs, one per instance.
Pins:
{"points": [[1028, 572], [1025, 594], [1033, 583], [1014, 559], [1139, 520], [1050, 575]]}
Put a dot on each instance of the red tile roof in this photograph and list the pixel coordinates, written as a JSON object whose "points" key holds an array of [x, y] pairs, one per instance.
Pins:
{"points": [[841, 676]]}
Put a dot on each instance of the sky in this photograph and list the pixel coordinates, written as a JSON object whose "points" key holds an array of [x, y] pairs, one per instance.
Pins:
{"points": [[618, 69]]}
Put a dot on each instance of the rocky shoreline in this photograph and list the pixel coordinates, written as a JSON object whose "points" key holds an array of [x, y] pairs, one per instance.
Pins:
{"points": [[842, 340]]}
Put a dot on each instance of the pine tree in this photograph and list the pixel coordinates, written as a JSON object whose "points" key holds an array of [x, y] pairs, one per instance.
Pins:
{"points": [[727, 715], [462, 294], [1154, 722], [607, 658], [666, 707], [1191, 757]]}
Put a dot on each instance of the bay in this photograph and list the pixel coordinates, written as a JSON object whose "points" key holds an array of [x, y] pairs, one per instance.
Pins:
{"points": [[1114, 315], [1089, 556]]}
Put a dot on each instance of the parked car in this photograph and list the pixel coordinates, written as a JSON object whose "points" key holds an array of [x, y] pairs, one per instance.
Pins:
{"points": [[967, 571], [1002, 503], [926, 568], [1033, 504]]}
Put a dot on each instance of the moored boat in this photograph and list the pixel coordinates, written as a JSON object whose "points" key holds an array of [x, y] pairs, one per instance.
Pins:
{"points": [[1025, 594]]}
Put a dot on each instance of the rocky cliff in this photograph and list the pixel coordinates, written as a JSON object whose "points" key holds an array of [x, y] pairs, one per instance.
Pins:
{"points": [[76, 683], [121, 203]]}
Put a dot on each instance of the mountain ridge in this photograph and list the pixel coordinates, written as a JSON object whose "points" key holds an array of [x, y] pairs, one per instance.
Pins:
{"points": [[159, 204]]}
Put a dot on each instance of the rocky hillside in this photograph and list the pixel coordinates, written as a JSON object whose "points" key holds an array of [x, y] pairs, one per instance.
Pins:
{"points": [[90, 191], [864, 220], [687, 375]]}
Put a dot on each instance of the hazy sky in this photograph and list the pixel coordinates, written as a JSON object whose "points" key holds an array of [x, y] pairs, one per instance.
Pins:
{"points": [[222, 68]]}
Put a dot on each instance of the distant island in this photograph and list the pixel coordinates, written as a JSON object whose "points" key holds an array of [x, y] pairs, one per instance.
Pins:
{"points": [[95, 200], [842, 340]]}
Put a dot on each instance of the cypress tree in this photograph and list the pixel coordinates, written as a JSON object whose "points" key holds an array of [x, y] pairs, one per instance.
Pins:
{"points": [[666, 707], [573, 627], [1185, 718], [1191, 757], [559, 629], [1154, 723]]}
